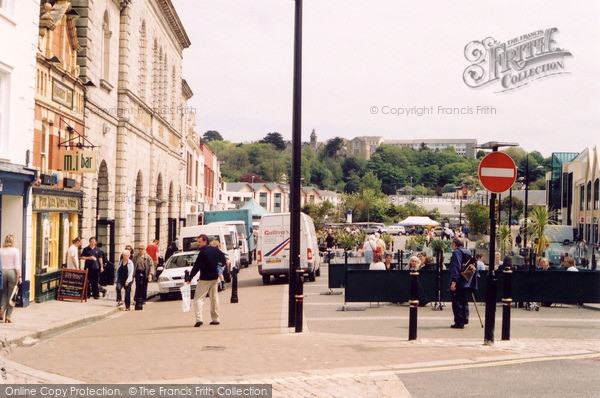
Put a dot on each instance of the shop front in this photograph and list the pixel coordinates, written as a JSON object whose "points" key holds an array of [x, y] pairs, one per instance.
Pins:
{"points": [[55, 223], [15, 184]]}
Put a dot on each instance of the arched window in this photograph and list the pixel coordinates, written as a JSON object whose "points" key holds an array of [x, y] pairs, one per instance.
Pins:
{"points": [[589, 196], [597, 194], [142, 61], [106, 34]]}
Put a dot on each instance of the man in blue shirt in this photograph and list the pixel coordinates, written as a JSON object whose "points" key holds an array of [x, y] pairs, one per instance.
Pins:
{"points": [[206, 262], [459, 286]]}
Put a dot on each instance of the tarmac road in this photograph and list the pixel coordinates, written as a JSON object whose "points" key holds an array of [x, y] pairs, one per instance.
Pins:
{"points": [[344, 354]]}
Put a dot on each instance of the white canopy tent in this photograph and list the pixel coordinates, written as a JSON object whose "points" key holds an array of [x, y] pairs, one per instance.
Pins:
{"points": [[413, 220]]}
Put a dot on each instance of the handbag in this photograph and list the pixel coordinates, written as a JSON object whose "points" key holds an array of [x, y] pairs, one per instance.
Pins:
{"points": [[15, 296], [469, 267]]}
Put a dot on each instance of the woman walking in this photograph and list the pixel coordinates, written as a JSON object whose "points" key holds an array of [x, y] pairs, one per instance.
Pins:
{"points": [[11, 271], [124, 279]]}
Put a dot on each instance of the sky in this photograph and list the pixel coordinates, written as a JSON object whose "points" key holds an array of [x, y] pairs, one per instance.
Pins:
{"points": [[392, 69]]}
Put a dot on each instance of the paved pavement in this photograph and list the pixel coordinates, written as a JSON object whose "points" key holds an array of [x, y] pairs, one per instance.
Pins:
{"points": [[339, 354]]}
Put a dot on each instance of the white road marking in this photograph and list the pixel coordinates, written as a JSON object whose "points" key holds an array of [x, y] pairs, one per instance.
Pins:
{"points": [[440, 318]]}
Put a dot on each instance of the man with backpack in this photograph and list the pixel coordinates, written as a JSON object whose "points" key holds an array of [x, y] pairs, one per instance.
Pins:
{"points": [[460, 282]]}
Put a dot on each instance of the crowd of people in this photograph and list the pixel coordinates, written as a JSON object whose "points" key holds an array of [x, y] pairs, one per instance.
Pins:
{"points": [[133, 267]]}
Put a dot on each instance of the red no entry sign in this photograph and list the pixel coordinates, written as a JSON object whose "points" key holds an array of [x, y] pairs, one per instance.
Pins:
{"points": [[497, 172]]}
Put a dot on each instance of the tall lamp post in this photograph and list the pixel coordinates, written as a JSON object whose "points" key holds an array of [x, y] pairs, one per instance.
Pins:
{"points": [[526, 198], [294, 302]]}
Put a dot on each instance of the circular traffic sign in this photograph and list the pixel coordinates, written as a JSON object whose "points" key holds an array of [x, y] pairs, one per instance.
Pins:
{"points": [[497, 172]]}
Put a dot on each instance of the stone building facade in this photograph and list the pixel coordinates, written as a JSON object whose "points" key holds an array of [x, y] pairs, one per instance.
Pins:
{"points": [[580, 194], [131, 63]]}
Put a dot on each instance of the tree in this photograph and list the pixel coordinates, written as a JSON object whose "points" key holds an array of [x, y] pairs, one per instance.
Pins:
{"points": [[540, 184], [354, 164], [478, 217], [517, 207], [370, 181], [275, 139], [540, 227], [504, 238], [212, 135], [251, 178], [333, 146]]}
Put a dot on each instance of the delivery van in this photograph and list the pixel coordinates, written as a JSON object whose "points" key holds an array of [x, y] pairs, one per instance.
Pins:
{"points": [[273, 250], [242, 239], [561, 234], [187, 241]]}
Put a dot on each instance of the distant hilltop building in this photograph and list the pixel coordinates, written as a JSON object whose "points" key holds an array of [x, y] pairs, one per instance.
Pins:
{"points": [[365, 146], [313, 144], [465, 147]]}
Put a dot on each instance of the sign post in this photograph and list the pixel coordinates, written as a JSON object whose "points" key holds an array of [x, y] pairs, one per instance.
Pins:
{"points": [[497, 173]]}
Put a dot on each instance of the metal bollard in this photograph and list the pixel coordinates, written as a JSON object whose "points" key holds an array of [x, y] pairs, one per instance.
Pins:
{"points": [[234, 286], [414, 305], [507, 302], [346, 257], [401, 259], [299, 300]]}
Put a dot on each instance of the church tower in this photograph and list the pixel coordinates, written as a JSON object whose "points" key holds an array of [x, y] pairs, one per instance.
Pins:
{"points": [[313, 140]]}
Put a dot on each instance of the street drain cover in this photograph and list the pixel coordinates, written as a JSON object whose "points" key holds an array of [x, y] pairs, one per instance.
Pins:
{"points": [[213, 348]]}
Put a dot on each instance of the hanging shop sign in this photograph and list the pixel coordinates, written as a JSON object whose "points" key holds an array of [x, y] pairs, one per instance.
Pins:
{"points": [[79, 161]]}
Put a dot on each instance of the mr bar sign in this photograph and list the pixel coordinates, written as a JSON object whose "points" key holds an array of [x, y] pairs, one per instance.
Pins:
{"points": [[497, 172]]}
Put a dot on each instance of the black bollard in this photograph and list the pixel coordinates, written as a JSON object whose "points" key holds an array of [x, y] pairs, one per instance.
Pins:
{"points": [[399, 259], [234, 287], [345, 257], [507, 302], [299, 301], [401, 256], [414, 305]]}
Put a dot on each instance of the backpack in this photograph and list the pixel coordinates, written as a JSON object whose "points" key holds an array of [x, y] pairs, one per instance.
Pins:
{"points": [[469, 266]]}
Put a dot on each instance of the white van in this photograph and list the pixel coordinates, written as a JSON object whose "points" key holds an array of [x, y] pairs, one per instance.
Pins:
{"points": [[223, 233], [561, 234], [242, 239], [273, 251]]}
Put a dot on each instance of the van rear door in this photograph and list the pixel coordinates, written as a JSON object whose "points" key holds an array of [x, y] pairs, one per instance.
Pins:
{"points": [[275, 242]]}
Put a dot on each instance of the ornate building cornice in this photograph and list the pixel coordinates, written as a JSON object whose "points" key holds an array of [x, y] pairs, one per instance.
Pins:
{"points": [[174, 21], [186, 90]]}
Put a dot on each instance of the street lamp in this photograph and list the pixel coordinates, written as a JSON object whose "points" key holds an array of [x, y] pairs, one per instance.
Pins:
{"points": [[295, 297]]}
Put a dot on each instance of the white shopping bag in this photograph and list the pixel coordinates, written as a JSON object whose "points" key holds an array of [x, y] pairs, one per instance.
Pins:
{"points": [[186, 299]]}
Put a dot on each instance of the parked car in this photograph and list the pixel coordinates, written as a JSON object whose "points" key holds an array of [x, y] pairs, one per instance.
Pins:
{"points": [[172, 277], [396, 230], [416, 231]]}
